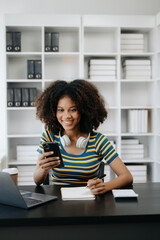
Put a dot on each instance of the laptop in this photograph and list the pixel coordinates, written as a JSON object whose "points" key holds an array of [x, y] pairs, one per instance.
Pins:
{"points": [[11, 195]]}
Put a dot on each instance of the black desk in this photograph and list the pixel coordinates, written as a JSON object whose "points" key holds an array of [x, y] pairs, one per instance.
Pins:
{"points": [[92, 219]]}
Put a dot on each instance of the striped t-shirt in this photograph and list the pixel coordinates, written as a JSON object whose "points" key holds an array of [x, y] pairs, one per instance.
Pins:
{"points": [[78, 169]]}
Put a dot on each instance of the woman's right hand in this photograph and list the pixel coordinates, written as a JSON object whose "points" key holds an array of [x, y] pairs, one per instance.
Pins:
{"points": [[46, 162]]}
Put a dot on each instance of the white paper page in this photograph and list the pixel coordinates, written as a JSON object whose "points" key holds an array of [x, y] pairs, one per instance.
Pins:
{"points": [[76, 193], [118, 193]]}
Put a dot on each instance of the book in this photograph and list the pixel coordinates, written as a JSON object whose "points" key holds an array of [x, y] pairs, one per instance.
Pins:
{"points": [[132, 146], [124, 193], [32, 96], [133, 156], [25, 97], [132, 35], [37, 69], [30, 69], [76, 193], [137, 62], [16, 41], [130, 151], [47, 41], [17, 97], [9, 42], [130, 141], [130, 41], [132, 46], [103, 61], [137, 68], [95, 67], [26, 148], [103, 77], [55, 41], [10, 97], [102, 72]]}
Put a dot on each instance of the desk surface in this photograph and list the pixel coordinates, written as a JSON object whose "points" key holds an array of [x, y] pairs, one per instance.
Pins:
{"points": [[102, 210]]}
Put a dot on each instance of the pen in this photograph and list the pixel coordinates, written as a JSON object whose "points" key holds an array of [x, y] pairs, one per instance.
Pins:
{"points": [[102, 177]]}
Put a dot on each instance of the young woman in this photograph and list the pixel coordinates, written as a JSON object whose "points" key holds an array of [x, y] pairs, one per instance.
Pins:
{"points": [[72, 111]]}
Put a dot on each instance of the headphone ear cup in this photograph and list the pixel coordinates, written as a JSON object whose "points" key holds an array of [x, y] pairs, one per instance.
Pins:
{"points": [[82, 142], [65, 141]]}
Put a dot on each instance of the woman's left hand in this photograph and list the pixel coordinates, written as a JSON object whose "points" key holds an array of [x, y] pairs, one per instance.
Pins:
{"points": [[96, 186]]}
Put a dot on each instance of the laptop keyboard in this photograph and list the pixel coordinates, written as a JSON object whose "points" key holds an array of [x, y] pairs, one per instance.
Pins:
{"points": [[30, 201]]}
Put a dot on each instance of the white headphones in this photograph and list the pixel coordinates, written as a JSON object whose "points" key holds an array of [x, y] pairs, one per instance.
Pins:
{"points": [[81, 142]]}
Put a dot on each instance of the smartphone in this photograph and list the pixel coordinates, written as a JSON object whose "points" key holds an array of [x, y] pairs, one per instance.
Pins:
{"points": [[53, 146]]}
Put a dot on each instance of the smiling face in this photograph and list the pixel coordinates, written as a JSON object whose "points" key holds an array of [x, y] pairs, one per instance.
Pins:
{"points": [[67, 114]]}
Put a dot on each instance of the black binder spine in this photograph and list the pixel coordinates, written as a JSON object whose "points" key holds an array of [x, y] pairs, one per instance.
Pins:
{"points": [[38, 69], [25, 97], [17, 41], [17, 97], [9, 42], [32, 96], [55, 42], [10, 97], [47, 41], [30, 69]]}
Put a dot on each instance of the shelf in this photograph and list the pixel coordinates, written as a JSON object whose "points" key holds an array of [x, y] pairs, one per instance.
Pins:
{"points": [[136, 134], [17, 163], [80, 39], [21, 108], [144, 54], [24, 135], [137, 107], [145, 160]]}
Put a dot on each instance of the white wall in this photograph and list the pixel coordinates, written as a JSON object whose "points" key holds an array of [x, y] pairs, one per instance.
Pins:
{"points": [[125, 7], [146, 7]]}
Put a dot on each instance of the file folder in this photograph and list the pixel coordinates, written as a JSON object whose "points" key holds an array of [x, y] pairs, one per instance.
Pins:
{"points": [[10, 97], [55, 42], [9, 42], [25, 97], [32, 96], [16, 41], [17, 97], [30, 69], [38, 69], [47, 41]]}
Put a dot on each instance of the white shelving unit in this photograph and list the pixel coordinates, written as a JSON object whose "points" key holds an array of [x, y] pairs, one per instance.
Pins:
{"points": [[82, 38]]}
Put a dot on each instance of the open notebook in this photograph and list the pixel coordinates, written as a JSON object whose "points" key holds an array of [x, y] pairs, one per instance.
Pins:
{"points": [[76, 193]]}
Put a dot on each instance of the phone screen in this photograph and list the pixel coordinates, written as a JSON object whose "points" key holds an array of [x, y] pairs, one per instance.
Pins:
{"points": [[52, 146]]}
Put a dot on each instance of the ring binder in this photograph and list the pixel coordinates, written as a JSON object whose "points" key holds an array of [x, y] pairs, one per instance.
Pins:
{"points": [[38, 69], [10, 97], [30, 69], [55, 41]]}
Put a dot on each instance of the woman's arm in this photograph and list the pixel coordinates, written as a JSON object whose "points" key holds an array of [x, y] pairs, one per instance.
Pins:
{"points": [[43, 166], [123, 178]]}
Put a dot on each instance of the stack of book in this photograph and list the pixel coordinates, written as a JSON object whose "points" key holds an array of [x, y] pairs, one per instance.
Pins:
{"points": [[51, 41], [132, 42], [137, 69], [104, 69], [27, 153], [34, 69], [131, 149], [138, 121], [13, 41], [25, 175], [139, 172], [21, 97]]}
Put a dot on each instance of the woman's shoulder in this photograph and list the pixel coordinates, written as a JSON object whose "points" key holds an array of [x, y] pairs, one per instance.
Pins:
{"points": [[97, 135], [49, 136]]}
